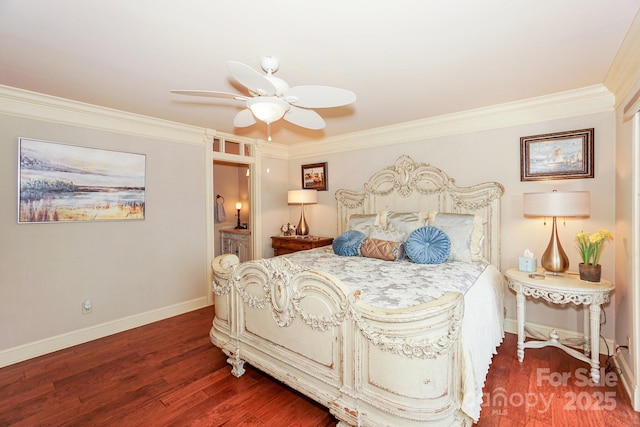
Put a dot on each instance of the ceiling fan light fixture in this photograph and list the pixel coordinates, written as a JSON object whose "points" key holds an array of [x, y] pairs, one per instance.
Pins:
{"points": [[268, 109], [272, 99]]}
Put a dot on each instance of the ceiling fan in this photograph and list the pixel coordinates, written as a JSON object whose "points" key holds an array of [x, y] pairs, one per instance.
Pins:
{"points": [[272, 99]]}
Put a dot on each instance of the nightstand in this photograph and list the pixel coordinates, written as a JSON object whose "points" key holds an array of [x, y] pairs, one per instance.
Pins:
{"points": [[562, 289], [288, 244]]}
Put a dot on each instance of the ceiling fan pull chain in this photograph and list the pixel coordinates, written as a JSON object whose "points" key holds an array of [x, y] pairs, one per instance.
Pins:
{"points": [[269, 131]]}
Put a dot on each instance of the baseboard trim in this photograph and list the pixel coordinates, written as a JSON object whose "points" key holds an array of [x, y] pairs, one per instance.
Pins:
{"points": [[628, 382], [69, 339]]}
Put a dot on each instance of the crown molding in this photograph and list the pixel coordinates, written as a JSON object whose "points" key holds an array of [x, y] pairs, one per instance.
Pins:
{"points": [[592, 99], [625, 69], [588, 100], [275, 150], [37, 106]]}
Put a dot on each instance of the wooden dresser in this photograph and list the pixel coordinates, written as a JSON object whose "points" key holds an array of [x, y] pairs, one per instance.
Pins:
{"points": [[288, 244]]}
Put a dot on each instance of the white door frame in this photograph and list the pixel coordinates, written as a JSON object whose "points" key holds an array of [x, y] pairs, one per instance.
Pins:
{"points": [[252, 160]]}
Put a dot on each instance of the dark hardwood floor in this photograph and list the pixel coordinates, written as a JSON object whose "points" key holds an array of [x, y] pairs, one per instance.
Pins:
{"points": [[169, 374]]}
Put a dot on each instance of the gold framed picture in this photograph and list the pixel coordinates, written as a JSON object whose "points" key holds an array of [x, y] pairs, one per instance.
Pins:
{"points": [[560, 155]]}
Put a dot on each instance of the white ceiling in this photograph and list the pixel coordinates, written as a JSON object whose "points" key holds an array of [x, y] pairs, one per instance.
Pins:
{"points": [[407, 61]]}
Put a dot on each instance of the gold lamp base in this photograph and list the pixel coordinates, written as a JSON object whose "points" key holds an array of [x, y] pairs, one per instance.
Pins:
{"points": [[303, 227], [554, 259]]}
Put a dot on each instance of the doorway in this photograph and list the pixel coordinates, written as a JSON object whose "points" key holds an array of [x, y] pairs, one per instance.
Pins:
{"points": [[231, 163], [232, 209]]}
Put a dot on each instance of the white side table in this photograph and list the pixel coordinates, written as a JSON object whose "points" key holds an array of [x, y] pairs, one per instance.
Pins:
{"points": [[562, 289]]}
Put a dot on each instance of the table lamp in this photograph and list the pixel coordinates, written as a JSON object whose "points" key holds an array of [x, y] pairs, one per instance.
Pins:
{"points": [[555, 204], [302, 197], [238, 207]]}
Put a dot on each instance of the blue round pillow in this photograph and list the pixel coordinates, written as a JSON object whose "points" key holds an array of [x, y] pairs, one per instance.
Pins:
{"points": [[348, 243], [428, 245]]}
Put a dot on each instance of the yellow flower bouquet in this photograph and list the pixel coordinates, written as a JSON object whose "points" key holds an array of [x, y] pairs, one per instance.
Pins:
{"points": [[590, 245]]}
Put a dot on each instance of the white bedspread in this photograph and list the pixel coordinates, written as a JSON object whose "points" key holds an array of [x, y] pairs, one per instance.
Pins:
{"points": [[392, 285]]}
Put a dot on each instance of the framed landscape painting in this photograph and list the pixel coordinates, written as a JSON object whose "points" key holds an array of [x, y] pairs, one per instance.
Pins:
{"points": [[561, 155], [62, 183]]}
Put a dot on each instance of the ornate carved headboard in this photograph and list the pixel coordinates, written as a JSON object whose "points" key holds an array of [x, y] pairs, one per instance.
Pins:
{"points": [[408, 186]]}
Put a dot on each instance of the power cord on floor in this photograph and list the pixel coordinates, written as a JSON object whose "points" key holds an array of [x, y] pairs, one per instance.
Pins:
{"points": [[608, 364]]}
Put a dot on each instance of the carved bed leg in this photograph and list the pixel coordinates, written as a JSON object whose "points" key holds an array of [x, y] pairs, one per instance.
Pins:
{"points": [[237, 363]]}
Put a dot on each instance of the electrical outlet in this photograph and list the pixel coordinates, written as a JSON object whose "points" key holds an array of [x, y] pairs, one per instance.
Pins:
{"points": [[87, 306]]}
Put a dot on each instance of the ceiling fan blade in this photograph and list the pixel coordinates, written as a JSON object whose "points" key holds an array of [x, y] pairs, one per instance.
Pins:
{"points": [[311, 96], [251, 79], [211, 93], [304, 118], [244, 119]]}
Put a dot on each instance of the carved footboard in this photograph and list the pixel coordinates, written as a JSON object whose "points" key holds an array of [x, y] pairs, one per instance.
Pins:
{"points": [[287, 321], [406, 365], [368, 366]]}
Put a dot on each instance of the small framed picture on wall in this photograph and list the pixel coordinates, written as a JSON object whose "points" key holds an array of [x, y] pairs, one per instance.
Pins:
{"points": [[314, 176]]}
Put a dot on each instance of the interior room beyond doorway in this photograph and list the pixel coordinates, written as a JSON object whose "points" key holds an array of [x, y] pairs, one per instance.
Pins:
{"points": [[231, 198]]}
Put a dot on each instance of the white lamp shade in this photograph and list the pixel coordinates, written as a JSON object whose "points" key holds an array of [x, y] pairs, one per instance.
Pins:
{"points": [[267, 108], [238, 205], [302, 197], [556, 203]]}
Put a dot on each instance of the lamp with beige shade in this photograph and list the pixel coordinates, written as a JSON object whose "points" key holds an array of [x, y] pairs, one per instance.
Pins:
{"points": [[302, 197], [556, 204]]}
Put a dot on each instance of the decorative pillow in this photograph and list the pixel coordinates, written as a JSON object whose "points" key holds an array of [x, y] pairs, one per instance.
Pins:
{"points": [[465, 232], [348, 243], [382, 234], [359, 221], [428, 245], [382, 249], [405, 221]]}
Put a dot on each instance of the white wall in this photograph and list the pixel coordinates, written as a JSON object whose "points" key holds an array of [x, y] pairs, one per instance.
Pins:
{"points": [[133, 270], [492, 155], [273, 196]]}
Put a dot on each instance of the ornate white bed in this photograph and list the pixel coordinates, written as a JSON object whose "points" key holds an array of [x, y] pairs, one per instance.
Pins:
{"points": [[372, 366]]}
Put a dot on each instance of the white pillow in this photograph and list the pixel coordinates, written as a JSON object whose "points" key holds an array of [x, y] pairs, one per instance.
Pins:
{"points": [[465, 232], [360, 221], [382, 234], [405, 221]]}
